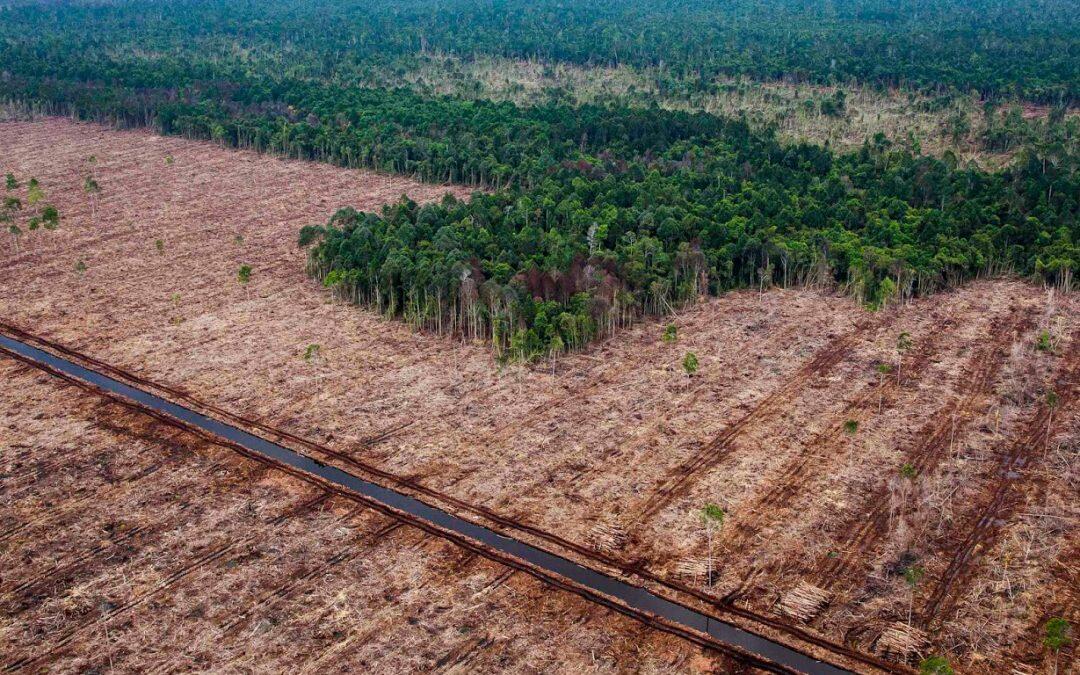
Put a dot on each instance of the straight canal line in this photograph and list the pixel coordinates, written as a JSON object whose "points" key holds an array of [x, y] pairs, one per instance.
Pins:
{"points": [[630, 599]]}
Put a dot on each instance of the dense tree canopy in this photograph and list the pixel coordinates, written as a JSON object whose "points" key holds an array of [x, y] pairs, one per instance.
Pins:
{"points": [[592, 215], [1027, 49]]}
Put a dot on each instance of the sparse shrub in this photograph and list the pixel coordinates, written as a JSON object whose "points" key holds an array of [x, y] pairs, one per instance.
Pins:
{"points": [[935, 665], [160, 246], [80, 267], [312, 352], [1044, 342], [671, 334], [243, 275], [690, 364]]}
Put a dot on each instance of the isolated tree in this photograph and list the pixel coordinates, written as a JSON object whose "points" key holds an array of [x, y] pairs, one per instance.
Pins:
{"points": [[903, 345], [935, 665], [243, 275], [92, 190], [50, 217], [16, 232], [8, 210], [1051, 403], [1056, 634], [909, 471], [690, 364], [34, 193], [670, 335], [912, 576], [311, 353], [882, 369], [10, 182], [169, 159], [713, 517], [80, 267], [555, 347], [851, 426], [160, 246]]}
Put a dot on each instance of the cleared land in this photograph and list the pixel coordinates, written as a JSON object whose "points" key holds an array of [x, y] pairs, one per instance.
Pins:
{"points": [[615, 450], [794, 108], [130, 546]]}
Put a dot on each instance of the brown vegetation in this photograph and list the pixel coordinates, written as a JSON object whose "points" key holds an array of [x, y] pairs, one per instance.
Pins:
{"points": [[615, 450], [181, 555]]}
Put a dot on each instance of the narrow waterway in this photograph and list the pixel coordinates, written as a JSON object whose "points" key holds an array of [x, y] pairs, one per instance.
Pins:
{"points": [[634, 597]]}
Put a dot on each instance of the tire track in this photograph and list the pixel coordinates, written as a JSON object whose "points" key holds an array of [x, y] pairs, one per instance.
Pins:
{"points": [[679, 480], [1005, 495], [201, 562], [771, 505], [271, 598], [976, 381], [671, 587], [126, 485]]}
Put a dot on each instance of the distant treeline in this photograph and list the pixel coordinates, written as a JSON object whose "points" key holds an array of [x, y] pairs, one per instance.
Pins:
{"points": [[1027, 50], [597, 214]]}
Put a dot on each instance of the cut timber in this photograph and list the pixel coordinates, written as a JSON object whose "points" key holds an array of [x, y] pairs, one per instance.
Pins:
{"points": [[607, 538], [901, 640], [804, 602]]}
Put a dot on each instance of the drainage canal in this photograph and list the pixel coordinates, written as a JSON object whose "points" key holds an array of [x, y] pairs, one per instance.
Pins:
{"points": [[637, 599]]}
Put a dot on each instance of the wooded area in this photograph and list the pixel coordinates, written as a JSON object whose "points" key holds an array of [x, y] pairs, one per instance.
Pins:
{"points": [[595, 214]]}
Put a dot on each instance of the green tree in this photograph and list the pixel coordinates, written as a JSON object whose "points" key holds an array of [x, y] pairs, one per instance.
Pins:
{"points": [[1052, 401], [851, 426], [670, 335], [882, 369], [16, 232], [92, 190], [34, 193], [50, 217], [243, 275], [555, 348], [1056, 634], [913, 574], [160, 246], [10, 182], [903, 346], [312, 353], [80, 266], [713, 517]]}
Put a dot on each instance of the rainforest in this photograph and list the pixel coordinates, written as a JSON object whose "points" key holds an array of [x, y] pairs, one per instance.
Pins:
{"points": [[587, 216]]}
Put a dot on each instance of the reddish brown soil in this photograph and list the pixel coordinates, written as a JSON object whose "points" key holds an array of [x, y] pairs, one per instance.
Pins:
{"points": [[614, 450], [145, 548]]}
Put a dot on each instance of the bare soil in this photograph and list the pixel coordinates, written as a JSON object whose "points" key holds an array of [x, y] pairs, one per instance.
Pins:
{"points": [[616, 449], [142, 548]]}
